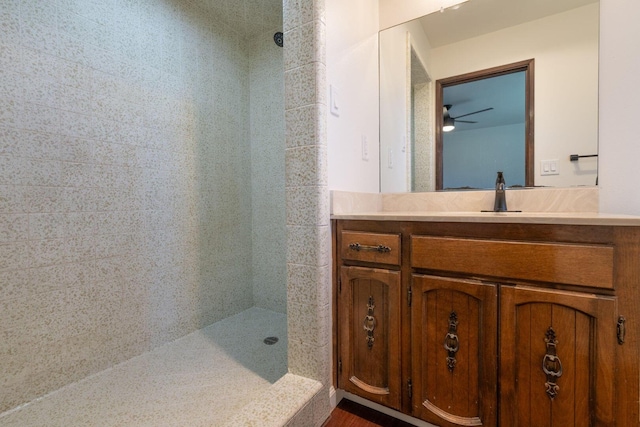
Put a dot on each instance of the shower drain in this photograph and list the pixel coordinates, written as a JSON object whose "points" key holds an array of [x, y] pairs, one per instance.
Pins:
{"points": [[270, 340]]}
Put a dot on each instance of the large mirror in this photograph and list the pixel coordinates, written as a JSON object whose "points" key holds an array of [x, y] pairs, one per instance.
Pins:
{"points": [[560, 41]]}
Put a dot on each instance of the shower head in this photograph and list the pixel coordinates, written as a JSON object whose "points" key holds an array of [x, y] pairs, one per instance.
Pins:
{"points": [[278, 38]]}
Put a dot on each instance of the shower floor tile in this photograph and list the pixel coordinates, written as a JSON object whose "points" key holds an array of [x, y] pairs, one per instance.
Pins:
{"points": [[201, 379]]}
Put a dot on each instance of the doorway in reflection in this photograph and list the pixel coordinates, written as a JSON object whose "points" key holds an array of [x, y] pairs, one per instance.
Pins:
{"points": [[484, 124], [486, 132]]}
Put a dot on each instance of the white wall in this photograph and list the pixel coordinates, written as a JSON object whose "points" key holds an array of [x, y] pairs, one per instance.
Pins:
{"points": [[352, 69], [394, 82], [565, 48], [619, 107], [395, 92]]}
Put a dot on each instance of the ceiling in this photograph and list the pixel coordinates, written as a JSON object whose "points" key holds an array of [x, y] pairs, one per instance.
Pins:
{"points": [[476, 17]]}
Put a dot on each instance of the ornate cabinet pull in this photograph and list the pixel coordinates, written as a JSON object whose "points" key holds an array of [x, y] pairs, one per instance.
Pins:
{"points": [[621, 329], [370, 322], [451, 342], [551, 364], [370, 248]]}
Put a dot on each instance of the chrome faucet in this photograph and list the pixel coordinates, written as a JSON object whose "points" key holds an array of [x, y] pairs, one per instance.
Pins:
{"points": [[500, 203]]}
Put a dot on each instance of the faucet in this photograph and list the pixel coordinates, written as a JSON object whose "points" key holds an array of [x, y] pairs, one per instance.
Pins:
{"points": [[500, 203]]}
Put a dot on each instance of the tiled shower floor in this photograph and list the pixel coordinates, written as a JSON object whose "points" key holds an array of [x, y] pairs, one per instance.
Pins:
{"points": [[198, 380]]}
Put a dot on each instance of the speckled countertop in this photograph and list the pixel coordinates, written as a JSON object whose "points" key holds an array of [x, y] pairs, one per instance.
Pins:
{"points": [[574, 218], [577, 206]]}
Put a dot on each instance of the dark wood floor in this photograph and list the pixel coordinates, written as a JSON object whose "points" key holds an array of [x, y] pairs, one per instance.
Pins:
{"points": [[351, 414]]}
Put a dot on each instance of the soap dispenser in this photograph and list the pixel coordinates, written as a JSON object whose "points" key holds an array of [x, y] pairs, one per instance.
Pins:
{"points": [[500, 204]]}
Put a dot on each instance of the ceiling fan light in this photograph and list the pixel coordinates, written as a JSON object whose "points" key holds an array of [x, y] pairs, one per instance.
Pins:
{"points": [[449, 124]]}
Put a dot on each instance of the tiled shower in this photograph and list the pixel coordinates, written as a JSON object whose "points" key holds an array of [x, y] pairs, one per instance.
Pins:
{"points": [[142, 182]]}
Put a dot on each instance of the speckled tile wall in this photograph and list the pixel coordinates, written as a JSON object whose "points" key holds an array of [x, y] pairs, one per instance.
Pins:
{"points": [[267, 172], [423, 176], [125, 183], [307, 198]]}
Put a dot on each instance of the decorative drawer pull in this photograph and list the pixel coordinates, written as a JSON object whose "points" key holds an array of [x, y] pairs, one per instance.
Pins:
{"points": [[621, 329], [551, 365], [369, 248], [370, 323], [451, 342]]}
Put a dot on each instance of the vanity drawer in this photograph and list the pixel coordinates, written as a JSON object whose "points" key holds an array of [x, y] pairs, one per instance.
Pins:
{"points": [[574, 264], [371, 247]]}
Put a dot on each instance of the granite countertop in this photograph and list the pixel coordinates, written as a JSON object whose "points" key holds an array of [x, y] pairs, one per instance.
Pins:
{"points": [[572, 218]]}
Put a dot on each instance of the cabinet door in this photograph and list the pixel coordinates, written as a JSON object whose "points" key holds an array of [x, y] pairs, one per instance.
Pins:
{"points": [[557, 354], [369, 334], [454, 351]]}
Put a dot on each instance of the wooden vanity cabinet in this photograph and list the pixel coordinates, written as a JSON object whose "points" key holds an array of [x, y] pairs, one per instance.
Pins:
{"points": [[556, 346], [454, 350], [557, 358], [506, 325], [369, 317], [370, 334]]}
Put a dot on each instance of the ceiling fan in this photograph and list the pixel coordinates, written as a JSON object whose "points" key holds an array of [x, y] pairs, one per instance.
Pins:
{"points": [[449, 123]]}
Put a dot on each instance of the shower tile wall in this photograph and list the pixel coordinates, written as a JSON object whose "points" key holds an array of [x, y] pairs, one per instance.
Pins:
{"points": [[267, 172], [125, 183], [307, 201], [308, 233]]}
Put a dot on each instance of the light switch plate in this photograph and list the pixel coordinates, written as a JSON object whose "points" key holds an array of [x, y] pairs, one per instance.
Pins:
{"points": [[334, 101], [549, 167], [365, 148]]}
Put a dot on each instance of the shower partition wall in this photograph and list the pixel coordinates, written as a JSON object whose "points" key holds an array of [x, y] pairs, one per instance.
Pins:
{"points": [[129, 193]]}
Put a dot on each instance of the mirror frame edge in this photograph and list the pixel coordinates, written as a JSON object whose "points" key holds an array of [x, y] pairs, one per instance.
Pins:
{"points": [[528, 67]]}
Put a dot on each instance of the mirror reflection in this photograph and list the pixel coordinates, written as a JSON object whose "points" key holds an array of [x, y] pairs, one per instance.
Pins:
{"points": [[486, 124], [480, 35]]}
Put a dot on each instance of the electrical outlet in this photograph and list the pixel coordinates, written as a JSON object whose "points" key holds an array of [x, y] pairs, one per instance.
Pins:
{"points": [[390, 159]]}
